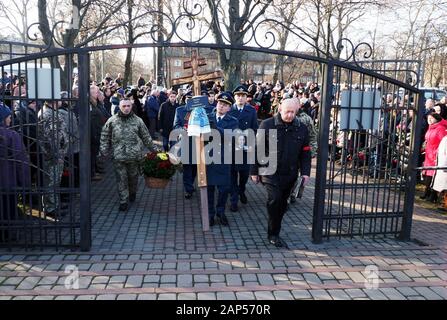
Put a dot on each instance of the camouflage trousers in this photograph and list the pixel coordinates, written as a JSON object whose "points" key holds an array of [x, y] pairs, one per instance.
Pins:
{"points": [[126, 173], [52, 179]]}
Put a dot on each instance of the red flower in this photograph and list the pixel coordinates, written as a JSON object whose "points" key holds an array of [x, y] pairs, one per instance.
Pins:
{"points": [[164, 165], [152, 155], [361, 156]]}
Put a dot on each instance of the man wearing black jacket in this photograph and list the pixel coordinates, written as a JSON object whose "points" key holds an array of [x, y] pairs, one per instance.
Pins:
{"points": [[166, 117], [293, 155]]}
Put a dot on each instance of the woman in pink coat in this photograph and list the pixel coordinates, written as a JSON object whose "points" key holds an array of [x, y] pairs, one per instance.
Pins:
{"points": [[436, 131]]}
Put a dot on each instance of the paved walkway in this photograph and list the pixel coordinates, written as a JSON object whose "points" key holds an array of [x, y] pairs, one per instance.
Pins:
{"points": [[157, 250]]}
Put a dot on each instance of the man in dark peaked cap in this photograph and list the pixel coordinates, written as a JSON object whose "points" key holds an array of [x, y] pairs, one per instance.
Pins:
{"points": [[247, 118]]}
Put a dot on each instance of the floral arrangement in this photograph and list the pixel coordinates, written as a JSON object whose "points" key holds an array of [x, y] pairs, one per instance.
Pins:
{"points": [[157, 165]]}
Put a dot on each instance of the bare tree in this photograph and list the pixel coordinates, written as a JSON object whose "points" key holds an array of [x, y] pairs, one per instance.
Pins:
{"points": [[421, 36], [230, 24], [285, 13], [331, 21], [16, 13]]}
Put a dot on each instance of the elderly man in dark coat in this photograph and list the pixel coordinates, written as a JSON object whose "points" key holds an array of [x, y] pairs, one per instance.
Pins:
{"points": [[293, 156]]}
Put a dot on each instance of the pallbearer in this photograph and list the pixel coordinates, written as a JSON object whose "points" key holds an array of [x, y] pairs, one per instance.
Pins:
{"points": [[219, 175]]}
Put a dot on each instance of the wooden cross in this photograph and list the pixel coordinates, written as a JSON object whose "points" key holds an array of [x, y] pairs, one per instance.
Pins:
{"points": [[196, 78]]}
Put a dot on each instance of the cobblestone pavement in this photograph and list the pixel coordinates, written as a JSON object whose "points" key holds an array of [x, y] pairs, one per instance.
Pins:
{"points": [[157, 250]]}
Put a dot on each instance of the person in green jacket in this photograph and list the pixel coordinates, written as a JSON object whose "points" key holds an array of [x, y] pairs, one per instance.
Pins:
{"points": [[124, 136]]}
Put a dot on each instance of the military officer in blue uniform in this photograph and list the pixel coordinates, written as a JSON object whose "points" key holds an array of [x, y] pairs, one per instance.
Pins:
{"points": [[181, 119], [219, 175], [247, 118]]}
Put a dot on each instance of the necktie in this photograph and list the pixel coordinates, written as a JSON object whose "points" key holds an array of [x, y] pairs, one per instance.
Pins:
{"points": [[218, 119]]}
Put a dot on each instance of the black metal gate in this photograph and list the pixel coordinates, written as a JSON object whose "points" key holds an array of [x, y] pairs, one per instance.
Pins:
{"points": [[44, 153], [369, 140]]}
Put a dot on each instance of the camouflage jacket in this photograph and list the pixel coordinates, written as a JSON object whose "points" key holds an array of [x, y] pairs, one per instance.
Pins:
{"points": [[53, 133], [126, 138], [304, 118], [73, 129]]}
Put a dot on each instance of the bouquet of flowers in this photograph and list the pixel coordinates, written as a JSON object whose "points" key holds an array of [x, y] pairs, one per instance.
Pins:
{"points": [[157, 169]]}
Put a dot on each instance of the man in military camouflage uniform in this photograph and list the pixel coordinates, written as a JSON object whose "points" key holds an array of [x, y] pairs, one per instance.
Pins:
{"points": [[53, 132], [126, 135]]}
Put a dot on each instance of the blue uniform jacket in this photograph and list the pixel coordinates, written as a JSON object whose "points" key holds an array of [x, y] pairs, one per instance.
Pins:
{"points": [[220, 174], [247, 119]]}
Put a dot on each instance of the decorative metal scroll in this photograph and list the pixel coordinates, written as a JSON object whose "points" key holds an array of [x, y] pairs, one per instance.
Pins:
{"points": [[195, 23]]}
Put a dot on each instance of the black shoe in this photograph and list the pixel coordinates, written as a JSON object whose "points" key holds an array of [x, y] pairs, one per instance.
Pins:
{"points": [[123, 207], [51, 214], [223, 220], [188, 195], [132, 197], [277, 242], [234, 208], [433, 197], [442, 210], [243, 198], [426, 195], [211, 222], [292, 199]]}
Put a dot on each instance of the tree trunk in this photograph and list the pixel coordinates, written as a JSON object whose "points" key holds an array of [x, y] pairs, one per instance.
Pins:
{"points": [[232, 68], [44, 27], [127, 68], [160, 72], [128, 63]]}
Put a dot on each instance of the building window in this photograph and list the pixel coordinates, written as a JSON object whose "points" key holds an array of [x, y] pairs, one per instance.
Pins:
{"points": [[269, 69], [177, 63], [257, 69], [177, 74]]}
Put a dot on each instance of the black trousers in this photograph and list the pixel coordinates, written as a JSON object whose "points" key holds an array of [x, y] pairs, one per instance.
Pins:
{"points": [[94, 149], [277, 205]]}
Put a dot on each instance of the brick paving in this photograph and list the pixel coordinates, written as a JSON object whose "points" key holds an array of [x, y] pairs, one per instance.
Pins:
{"points": [[157, 250]]}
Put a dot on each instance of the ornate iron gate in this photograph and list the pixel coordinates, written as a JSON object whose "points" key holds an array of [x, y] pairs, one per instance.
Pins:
{"points": [[365, 181], [45, 195], [369, 140]]}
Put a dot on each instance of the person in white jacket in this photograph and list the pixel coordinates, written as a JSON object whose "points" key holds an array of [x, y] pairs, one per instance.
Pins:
{"points": [[440, 180]]}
